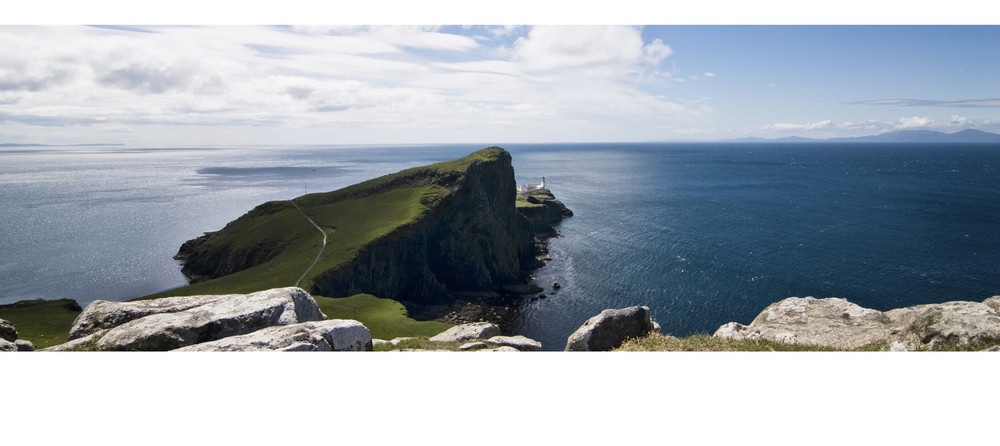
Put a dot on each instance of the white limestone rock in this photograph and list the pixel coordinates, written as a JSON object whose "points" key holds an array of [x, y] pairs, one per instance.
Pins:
{"points": [[178, 322], [522, 343], [468, 332], [500, 349], [837, 323], [7, 346], [472, 346], [328, 335]]}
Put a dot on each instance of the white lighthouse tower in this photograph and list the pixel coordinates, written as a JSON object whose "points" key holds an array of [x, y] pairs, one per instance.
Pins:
{"points": [[542, 184]]}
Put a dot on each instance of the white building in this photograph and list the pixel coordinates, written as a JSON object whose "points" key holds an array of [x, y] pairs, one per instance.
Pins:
{"points": [[530, 187]]}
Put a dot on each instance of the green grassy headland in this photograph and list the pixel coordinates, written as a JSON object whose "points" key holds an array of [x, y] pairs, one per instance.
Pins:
{"points": [[352, 217]]}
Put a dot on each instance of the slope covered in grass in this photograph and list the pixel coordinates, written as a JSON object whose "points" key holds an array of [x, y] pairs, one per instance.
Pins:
{"points": [[272, 245], [43, 322]]}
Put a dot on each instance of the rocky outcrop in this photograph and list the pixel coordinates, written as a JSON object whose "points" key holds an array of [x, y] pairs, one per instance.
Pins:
{"points": [[519, 342], [471, 238], [7, 331], [837, 323], [467, 332], [330, 335], [170, 323], [9, 341], [609, 329], [542, 209]]}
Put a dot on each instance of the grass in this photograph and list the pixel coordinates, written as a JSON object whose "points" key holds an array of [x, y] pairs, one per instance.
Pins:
{"points": [[352, 217], [385, 318], [655, 342], [43, 322]]}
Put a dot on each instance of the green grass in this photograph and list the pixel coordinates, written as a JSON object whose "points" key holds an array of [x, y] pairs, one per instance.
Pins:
{"points": [[43, 322], [385, 318], [352, 217], [655, 342], [422, 343]]}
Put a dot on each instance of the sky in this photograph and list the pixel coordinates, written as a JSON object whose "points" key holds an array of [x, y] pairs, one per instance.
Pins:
{"points": [[388, 84]]}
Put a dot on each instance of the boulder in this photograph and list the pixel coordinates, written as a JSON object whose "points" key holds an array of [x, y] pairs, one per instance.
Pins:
{"points": [[519, 342], [831, 322], [947, 325], [472, 346], [7, 331], [610, 329], [7, 346], [468, 332], [329, 335], [24, 345], [500, 349], [79, 344], [837, 323], [170, 323]]}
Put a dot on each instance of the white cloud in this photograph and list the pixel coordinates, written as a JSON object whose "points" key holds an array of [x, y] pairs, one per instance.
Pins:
{"points": [[820, 125], [709, 74], [656, 51], [563, 83], [913, 122], [594, 50]]}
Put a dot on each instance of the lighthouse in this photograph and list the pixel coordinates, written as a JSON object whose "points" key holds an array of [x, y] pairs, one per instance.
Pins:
{"points": [[542, 184]]}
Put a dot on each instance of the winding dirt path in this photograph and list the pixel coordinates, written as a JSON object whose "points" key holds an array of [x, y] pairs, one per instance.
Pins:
{"points": [[321, 231]]}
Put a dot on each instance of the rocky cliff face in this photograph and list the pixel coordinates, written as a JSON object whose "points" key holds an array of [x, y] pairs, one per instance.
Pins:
{"points": [[472, 235], [472, 240], [203, 261]]}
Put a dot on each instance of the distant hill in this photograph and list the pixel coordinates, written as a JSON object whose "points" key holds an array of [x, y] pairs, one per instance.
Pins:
{"points": [[967, 135], [17, 144], [912, 136]]}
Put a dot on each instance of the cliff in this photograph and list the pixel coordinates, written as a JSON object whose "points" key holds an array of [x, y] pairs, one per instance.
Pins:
{"points": [[421, 235]]}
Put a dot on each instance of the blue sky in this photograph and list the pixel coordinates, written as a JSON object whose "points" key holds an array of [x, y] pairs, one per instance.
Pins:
{"points": [[155, 85]]}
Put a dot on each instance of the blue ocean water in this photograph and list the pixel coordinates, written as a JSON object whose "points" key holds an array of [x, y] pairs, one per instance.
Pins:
{"points": [[702, 233]]}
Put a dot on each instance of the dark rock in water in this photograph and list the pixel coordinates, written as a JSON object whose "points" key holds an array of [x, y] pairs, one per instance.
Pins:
{"points": [[610, 329], [542, 296], [556, 286], [7, 331]]}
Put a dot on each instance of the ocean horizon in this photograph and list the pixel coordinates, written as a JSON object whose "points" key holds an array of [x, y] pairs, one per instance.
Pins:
{"points": [[702, 233]]}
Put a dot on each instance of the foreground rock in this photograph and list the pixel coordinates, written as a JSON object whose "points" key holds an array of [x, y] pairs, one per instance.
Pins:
{"points": [[7, 331], [837, 323], [324, 336], [9, 341], [521, 343], [170, 323], [468, 332], [611, 328]]}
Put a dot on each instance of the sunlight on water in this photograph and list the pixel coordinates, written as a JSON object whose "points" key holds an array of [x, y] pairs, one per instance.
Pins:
{"points": [[703, 234]]}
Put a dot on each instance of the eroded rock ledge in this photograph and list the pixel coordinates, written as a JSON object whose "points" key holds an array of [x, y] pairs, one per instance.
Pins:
{"points": [[837, 323]]}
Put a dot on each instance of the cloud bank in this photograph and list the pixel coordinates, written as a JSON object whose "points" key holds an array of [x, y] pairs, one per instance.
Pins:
{"points": [[314, 84]]}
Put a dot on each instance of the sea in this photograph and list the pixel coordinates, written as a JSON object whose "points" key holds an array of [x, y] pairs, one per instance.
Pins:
{"points": [[701, 233]]}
